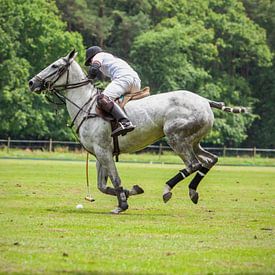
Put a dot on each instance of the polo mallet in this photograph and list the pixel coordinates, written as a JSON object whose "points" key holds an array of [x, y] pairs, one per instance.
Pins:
{"points": [[89, 196]]}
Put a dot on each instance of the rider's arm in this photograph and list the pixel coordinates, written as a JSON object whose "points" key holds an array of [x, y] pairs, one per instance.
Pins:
{"points": [[93, 71], [96, 64]]}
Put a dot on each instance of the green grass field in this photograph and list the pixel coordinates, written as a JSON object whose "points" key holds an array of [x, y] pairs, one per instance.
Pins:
{"points": [[230, 231]]}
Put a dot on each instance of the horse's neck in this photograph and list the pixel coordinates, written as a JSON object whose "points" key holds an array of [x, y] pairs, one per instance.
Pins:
{"points": [[79, 96]]}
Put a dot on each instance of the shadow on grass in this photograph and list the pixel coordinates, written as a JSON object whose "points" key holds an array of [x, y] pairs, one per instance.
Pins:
{"points": [[107, 213], [102, 273]]}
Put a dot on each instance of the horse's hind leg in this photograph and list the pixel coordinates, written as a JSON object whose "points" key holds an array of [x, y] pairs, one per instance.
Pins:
{"points": [[185, 151], [102, 177], [207, 160]]}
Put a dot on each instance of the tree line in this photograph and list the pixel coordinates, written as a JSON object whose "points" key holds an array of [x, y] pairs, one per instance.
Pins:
{"points": [[222, 50]]}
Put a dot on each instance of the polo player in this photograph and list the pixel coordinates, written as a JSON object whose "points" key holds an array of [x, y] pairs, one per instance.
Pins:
{"points": [[123, 80]]}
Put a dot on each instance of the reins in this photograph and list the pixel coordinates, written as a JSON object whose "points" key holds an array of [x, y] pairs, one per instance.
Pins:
{"points": [[56, 89], [81, 109], [88, 115]]}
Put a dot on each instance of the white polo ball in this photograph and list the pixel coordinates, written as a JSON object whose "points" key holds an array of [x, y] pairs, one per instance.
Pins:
{"points": [[79, 206]]}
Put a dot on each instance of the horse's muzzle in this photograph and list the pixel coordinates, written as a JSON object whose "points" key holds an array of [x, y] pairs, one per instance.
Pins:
{"points": [[35, 85]]}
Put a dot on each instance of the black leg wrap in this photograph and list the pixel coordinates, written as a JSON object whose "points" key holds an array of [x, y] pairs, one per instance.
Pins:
{"points": [[198, 177], [122, 198], [177, 178]]}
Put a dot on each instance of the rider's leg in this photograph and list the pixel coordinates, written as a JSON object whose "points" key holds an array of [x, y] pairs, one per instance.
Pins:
{"points": [[109, 106], [105, 101]]}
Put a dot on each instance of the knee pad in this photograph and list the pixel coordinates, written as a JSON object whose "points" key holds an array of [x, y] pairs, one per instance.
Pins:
{"points": [[105, 103]]}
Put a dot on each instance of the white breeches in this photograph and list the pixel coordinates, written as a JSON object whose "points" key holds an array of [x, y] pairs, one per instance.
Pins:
{"points": [[121, 86]]}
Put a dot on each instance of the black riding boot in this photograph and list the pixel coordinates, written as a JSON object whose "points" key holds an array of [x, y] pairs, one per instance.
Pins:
{"points": [[109, 106], [124, 124]]}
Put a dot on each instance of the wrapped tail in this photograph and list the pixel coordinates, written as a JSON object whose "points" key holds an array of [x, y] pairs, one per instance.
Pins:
{"points": [[221, 106]]}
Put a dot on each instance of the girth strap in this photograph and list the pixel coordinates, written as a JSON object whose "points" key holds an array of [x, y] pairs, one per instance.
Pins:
{"points": [[116, 151]]}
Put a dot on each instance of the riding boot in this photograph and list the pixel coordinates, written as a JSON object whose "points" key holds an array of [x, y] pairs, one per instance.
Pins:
{"points": [[124, 124], [109, 106]]}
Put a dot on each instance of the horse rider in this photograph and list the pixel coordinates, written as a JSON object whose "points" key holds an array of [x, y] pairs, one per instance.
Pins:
{"points": [[123, 80]]}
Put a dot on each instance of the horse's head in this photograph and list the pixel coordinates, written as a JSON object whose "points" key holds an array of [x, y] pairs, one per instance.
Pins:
{"points": [[54, 75]]}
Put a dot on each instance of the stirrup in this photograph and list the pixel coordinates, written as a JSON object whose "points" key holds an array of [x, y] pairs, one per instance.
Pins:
{"points": [[123, 129]]}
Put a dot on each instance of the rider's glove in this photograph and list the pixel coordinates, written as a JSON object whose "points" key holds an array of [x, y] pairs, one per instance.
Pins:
{"points": [[93, 71]]}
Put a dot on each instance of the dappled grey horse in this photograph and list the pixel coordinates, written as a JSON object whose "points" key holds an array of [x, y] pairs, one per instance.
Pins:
{"points": [[183, 117]]}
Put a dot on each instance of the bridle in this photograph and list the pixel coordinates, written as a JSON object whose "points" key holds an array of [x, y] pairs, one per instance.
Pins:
{"points": [[49, 85], [56, 89]]}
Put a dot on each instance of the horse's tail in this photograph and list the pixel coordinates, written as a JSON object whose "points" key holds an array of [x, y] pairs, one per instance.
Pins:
{"points": [[221, 106]]}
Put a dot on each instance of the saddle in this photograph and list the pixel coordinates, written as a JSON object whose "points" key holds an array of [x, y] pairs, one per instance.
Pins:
{"points": [[133, 96], [123, 100]]}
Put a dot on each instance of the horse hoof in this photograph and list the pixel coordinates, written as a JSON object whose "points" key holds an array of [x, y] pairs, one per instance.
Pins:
{"points": [[137, 189], [167, 196], [117, 210], [123, 205], [194, 195]]}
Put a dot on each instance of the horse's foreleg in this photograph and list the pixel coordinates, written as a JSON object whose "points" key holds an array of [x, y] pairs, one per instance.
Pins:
{"points": [[102, 177], [105, 159]]}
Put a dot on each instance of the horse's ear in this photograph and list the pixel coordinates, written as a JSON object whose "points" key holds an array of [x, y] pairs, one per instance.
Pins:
{"points": [[72, 55]]}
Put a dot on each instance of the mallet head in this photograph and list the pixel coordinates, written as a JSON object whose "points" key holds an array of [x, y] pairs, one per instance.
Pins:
{"points": [[89, 198]]}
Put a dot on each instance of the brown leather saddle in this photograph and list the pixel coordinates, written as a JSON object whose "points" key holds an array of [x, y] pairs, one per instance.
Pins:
{"points": [[134, 96]]}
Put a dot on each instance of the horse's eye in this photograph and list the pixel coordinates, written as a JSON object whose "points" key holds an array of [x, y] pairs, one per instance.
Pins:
{"points": [[54, 66]]}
